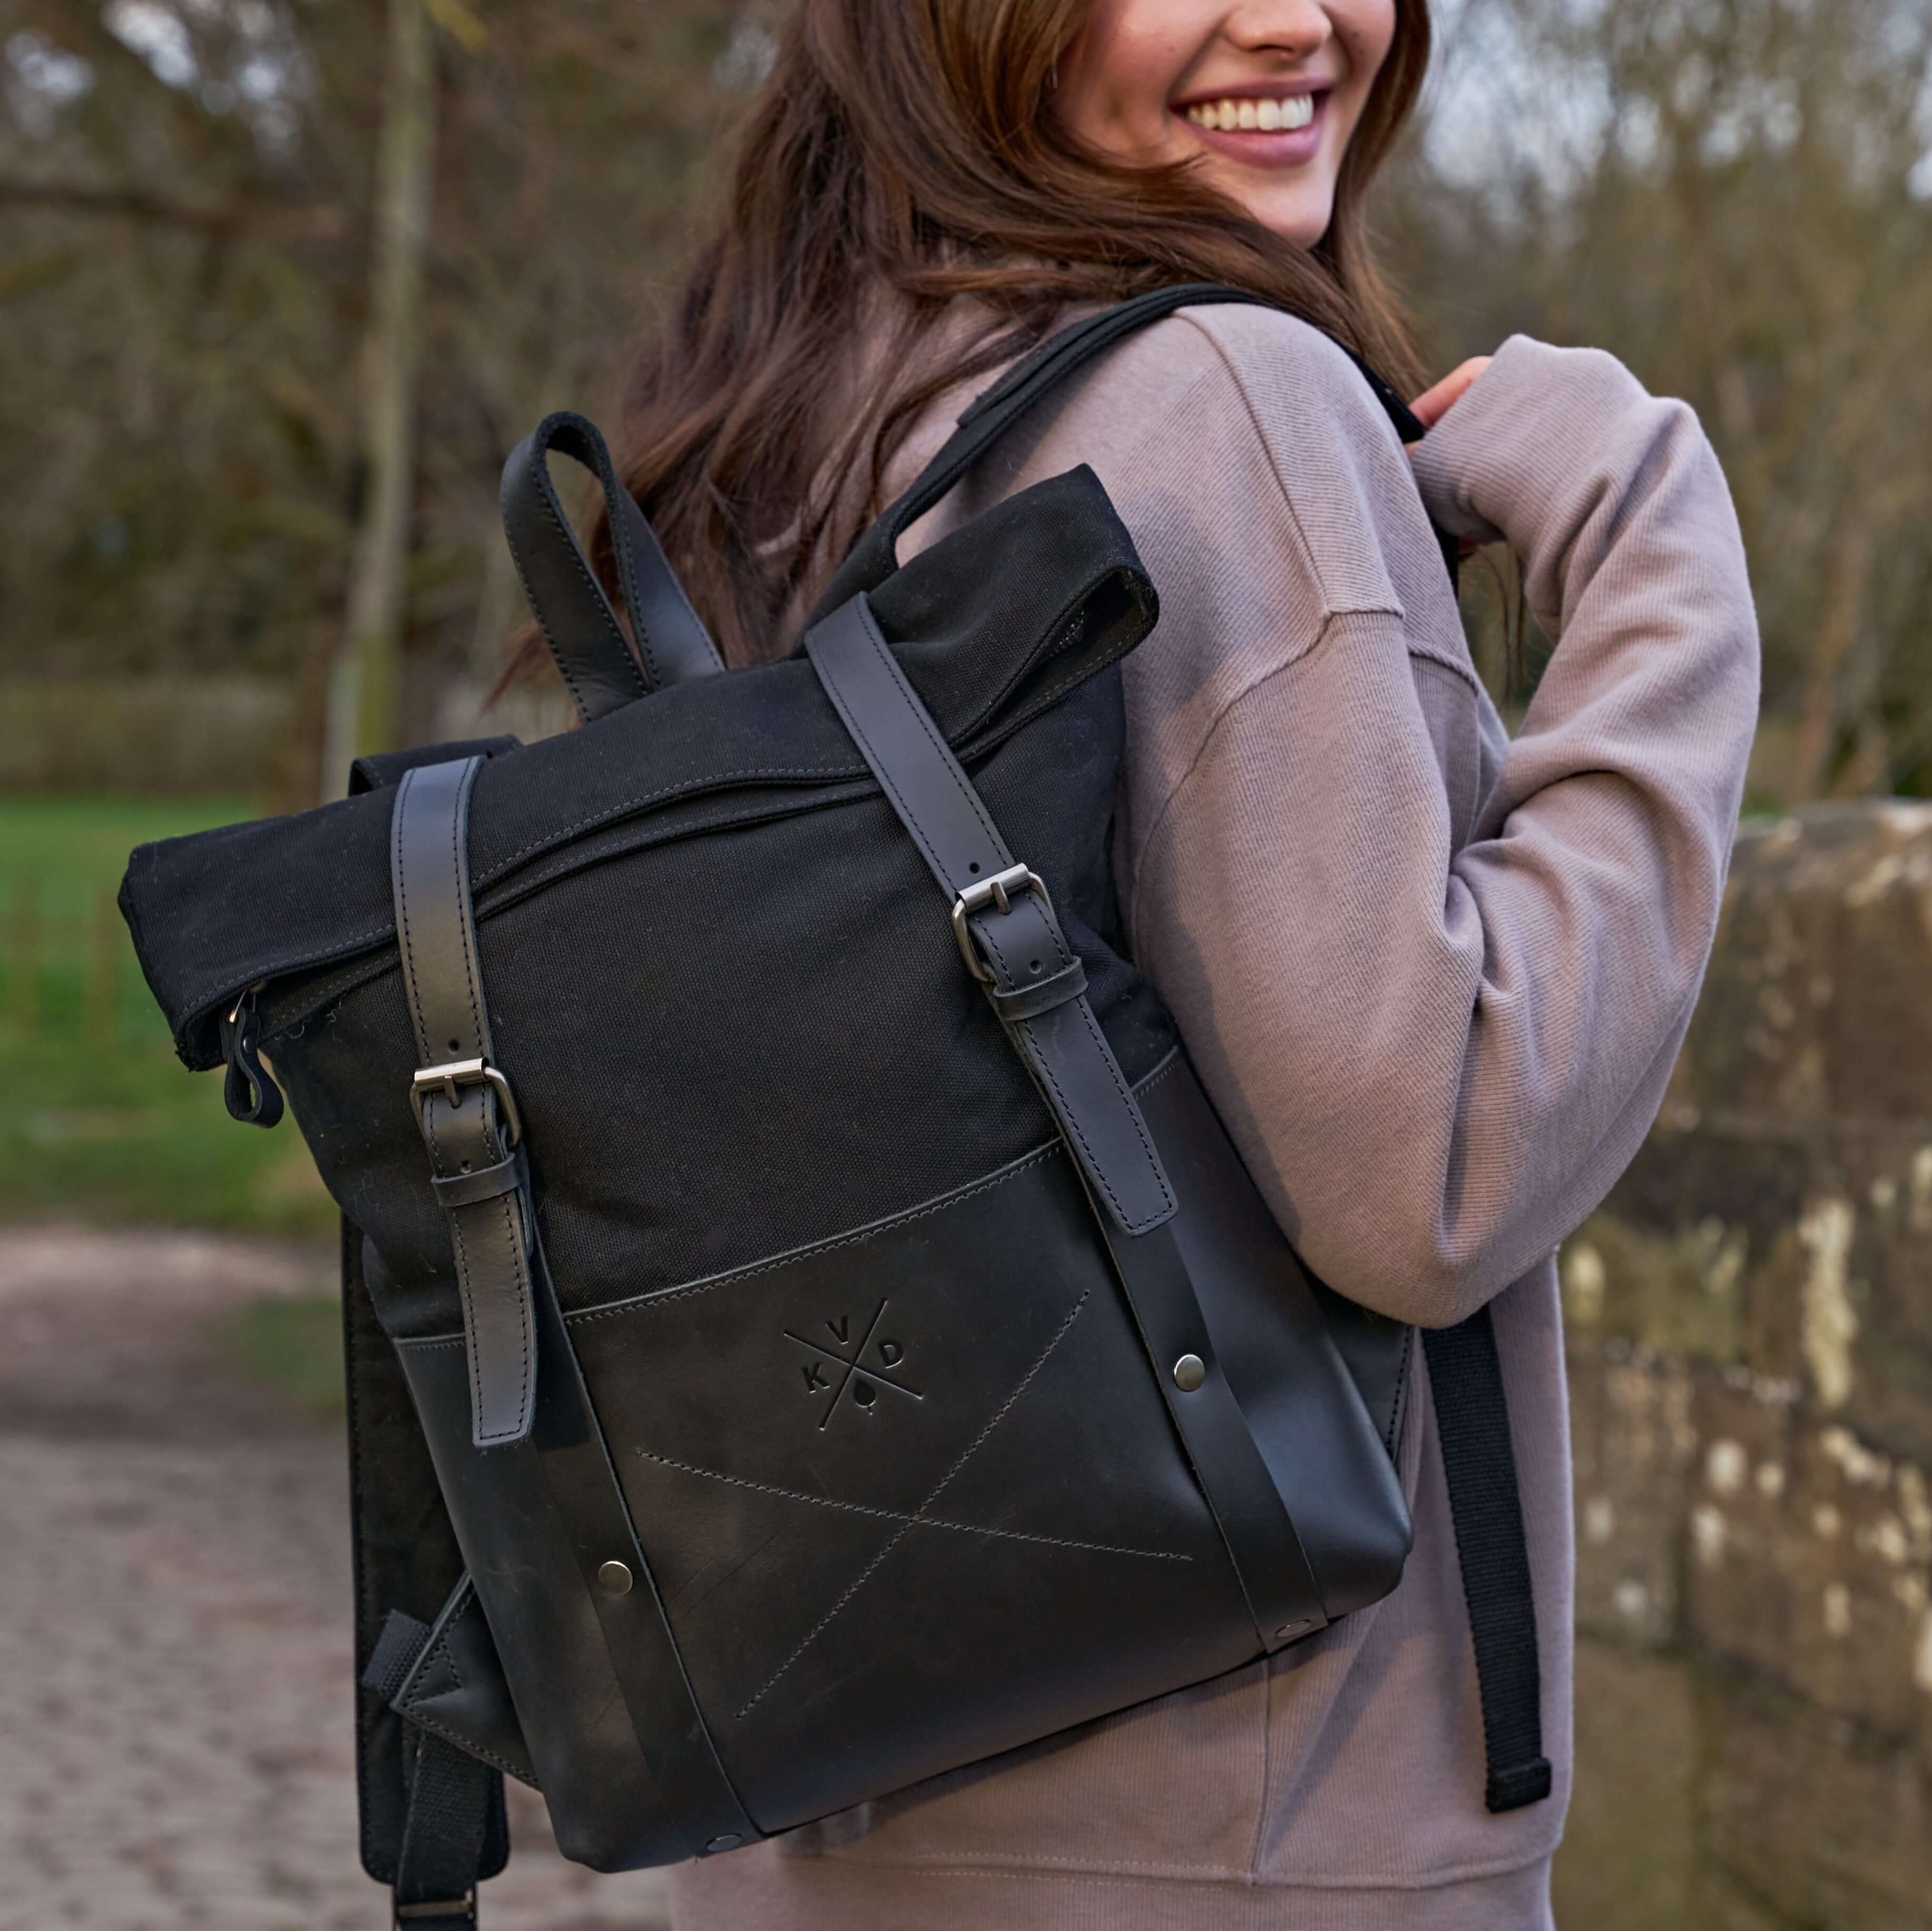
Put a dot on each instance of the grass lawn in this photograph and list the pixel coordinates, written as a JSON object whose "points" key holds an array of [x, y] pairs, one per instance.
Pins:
{"points": [[101, 1123]]}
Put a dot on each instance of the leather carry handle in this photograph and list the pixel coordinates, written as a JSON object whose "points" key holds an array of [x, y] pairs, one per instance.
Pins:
{"points": [[875, 555], [576, 617]]}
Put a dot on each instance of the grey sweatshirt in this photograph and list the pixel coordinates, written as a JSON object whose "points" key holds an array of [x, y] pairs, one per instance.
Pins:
{"points": [[1435, 980]]}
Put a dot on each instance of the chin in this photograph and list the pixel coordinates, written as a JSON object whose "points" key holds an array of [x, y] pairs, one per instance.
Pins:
{"points": [[1301, 219], [1300, 213]]}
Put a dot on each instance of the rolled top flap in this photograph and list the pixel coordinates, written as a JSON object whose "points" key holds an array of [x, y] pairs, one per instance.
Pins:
{"points": [[991, 625]]}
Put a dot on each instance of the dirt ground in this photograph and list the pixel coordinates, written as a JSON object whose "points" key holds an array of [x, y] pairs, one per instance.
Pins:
{"points": [[175, 1714]]}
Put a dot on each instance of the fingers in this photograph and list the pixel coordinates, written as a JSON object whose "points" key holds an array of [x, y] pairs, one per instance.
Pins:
{"points": [[1433, 405]]}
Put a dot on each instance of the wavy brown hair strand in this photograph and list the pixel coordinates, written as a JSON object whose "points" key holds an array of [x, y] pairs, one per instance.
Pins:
{"points": [[904, 154]]}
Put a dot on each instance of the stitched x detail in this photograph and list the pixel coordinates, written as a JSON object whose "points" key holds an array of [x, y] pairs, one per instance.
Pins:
{"points": [[919, 1516]]}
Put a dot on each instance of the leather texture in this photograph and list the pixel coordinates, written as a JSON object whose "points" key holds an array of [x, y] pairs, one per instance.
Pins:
{"points": [[911, 1494], [840, 1492], [1019, 943], [456, 1689], [1317, 1424], [479, 1179], [577, 622], [614, 1736]]}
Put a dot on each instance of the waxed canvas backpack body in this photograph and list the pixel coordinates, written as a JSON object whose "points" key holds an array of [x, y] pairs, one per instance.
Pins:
{"points": [[807, 1329]]}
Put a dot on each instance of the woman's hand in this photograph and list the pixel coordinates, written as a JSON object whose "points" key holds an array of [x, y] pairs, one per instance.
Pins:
{"points": [[1433, 405]]}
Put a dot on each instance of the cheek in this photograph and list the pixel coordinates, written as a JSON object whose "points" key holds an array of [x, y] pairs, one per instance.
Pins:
{"points": [[1367, 28], [1115, 82]]}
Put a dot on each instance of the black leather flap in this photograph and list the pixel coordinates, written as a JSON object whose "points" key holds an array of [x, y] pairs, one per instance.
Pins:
{"points": [[992, 624], [457, 1689]]}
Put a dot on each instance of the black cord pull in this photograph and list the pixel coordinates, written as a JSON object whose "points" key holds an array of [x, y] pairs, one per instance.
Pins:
{"points": [[252, 1096]]}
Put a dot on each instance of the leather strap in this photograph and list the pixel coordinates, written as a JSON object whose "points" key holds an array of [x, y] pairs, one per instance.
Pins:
{"points": [[1015, 940], [571, 608], [874, 557], [1011, 942], [462, 1102], [1284, 1595]]}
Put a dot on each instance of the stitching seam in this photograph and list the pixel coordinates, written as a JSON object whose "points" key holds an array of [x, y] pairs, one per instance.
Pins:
{"points": [[644, 1303], [972, 1449], [402, 919], [896, 682], [915, 1521], [605, 615], [418, 1714]]}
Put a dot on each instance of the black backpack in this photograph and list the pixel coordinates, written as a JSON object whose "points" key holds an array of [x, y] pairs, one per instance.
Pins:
{"points": [[807, 1329]]}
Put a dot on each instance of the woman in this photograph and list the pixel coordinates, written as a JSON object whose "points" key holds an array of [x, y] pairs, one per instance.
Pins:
{"points": [[1434, 980]]}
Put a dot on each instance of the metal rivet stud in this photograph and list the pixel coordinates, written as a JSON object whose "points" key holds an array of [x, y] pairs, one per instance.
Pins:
{"points": [[1189, 1372], [614, 1580], [729, 1841], [1287, 1629]]}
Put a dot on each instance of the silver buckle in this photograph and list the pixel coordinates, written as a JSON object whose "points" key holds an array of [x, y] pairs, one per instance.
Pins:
{"points": [[446, 1907], [456, 1075], [998, 890]]}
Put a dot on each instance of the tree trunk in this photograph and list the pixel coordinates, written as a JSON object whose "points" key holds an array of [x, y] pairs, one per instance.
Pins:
{"points": [[365, 688]]}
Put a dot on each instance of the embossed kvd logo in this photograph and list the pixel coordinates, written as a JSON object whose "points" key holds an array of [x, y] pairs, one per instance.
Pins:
{"points": [[843, 1375]]}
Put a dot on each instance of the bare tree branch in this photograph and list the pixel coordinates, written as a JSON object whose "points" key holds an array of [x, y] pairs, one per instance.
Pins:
{"points": [[320, 223]]}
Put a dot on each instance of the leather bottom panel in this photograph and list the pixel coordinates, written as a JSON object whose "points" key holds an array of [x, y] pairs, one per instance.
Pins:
{"points": [[912, 1496]]}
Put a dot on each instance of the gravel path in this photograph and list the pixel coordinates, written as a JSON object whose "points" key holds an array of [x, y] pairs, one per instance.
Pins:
{"points": [[175, 1743]]}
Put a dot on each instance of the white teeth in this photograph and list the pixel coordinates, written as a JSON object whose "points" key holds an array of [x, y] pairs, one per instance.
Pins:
{"points": [[1293, 111]]}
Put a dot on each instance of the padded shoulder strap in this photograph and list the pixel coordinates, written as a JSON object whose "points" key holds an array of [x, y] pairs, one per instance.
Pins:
{"points": [[571, 608], [875, 557]]}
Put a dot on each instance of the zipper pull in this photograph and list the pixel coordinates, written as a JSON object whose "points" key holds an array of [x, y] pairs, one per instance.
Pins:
{"points": [[252, 1096]]}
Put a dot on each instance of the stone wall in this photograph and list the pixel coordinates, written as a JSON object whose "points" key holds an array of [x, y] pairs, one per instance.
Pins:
{"points": [[1750, 1352]]}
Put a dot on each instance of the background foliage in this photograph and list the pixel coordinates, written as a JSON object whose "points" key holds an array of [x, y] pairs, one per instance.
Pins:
{"points": [[1732, 195]]}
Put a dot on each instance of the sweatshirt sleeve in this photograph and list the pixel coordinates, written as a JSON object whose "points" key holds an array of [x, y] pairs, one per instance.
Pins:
{"points": [[1437, 1058]]}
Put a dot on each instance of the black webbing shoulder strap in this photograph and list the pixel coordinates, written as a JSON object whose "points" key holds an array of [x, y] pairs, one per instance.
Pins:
{"points": [[1465, 1377], [875, 557]]}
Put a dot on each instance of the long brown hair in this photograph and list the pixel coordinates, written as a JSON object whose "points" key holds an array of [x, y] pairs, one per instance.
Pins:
{"points": [[901, 155]]}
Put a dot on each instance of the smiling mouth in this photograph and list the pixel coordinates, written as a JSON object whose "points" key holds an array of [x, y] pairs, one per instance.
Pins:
{"points": [[1286, 115]]}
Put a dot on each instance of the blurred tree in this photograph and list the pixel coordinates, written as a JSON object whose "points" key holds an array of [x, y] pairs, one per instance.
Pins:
{"points": [[1735, 196], [188, 189], [365, 689]]}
